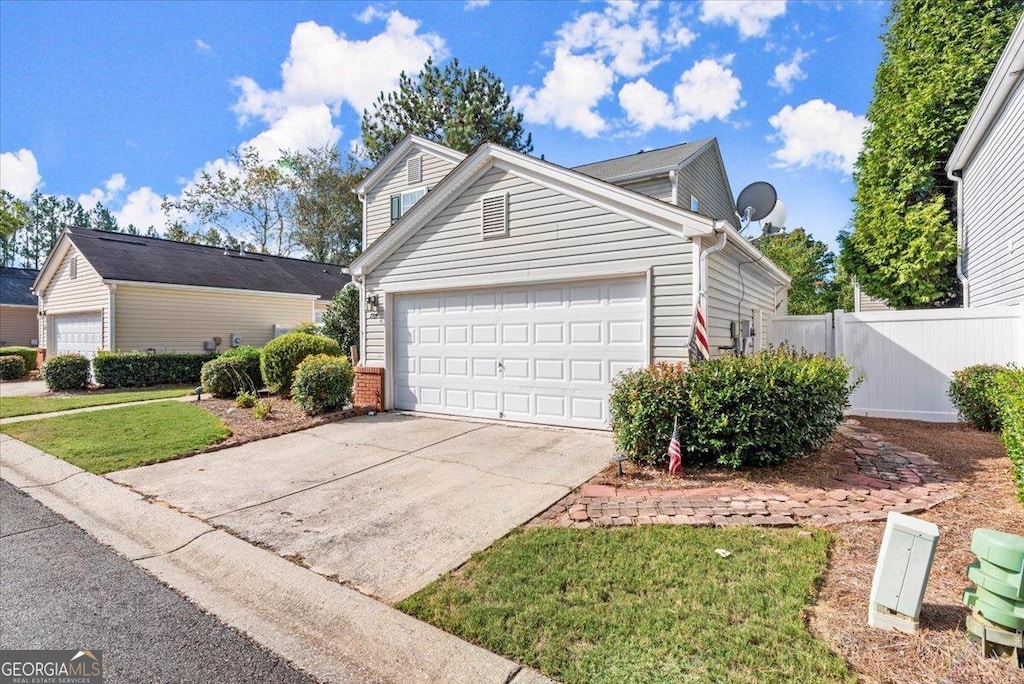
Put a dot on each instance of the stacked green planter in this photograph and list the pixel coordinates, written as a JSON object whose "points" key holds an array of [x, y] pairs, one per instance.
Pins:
{"points": [[998, 600]]}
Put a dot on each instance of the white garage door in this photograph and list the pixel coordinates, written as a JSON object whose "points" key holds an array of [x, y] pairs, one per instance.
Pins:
{"points": [[542, 354], [78, 333]]}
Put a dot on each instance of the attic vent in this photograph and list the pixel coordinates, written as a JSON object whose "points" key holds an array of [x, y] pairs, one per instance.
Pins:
{"points": [[494, 216], [414, 169]]}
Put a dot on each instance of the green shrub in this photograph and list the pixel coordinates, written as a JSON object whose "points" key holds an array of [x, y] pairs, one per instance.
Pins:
{"points": [[12, 367], [28, 354], [143, 369], [969, 392], [236, 370], [308, 327], [756, 410], [1007, 394], [261, 409], [341, 318], [66, 372], [281, 356], [245, 400], [323, 383]]}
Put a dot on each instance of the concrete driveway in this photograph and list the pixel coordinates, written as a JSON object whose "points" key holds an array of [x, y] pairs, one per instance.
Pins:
{"points": [[386, 503], [22, 388]]}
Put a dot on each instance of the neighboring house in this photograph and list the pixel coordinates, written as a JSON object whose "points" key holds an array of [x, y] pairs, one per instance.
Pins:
{"points": [[111, 291], [518, 289], [988, 166], [18, 307], [863, 302]]}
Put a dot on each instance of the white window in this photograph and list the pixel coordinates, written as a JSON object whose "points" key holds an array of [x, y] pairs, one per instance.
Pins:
{"points": [[411, 197], [694, 204]]}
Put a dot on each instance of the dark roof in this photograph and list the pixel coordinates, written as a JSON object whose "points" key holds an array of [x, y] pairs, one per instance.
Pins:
{"points": [[16, 286], [651, 161], [117, 256]]}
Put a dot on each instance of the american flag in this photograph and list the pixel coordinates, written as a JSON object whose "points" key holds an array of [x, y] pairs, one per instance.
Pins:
{"points": [[675, 452], [699, 350]]}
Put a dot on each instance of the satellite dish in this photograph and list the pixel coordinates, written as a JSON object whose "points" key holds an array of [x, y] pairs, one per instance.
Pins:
{"points": [[775, 221], [756, 201]]}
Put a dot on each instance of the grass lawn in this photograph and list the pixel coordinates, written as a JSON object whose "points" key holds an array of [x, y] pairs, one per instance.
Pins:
{"points": [[642, 604], [105, 441], [25, 406]]}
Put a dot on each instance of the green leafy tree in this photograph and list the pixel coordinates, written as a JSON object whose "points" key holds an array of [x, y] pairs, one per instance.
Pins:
{"points": [[938, 55], [14, 216], [251, 202], [341, 318], [460, 108], [326, 211], [815, 287]]}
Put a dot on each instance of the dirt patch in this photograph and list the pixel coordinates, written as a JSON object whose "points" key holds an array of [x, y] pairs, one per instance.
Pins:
{"points": [[285, 416], [940, 651]]}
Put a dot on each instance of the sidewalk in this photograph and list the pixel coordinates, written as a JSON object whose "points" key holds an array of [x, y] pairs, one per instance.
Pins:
{"points": [[329, 630], [89, 409]]}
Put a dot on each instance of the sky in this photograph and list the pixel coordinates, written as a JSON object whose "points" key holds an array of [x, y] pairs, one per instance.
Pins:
{"points": [[127, 103]]}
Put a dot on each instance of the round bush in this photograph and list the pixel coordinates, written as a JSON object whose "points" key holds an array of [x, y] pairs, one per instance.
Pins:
{"points": [[733, 411], [969, 392], [323, 383], [281, 356], [12, 367], [233, 372], [66, 372], [28, 354]]}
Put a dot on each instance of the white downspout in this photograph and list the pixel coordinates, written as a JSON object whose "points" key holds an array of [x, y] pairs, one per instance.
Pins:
{"points": [[702, 295], [675, 187], [362, 201], [961, 239]]}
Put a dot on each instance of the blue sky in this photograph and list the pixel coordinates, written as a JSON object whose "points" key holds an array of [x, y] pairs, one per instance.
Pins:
{"points": [[126, 102]]}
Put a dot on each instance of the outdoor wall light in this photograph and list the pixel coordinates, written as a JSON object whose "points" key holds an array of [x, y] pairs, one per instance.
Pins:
{"points": [[372, 303]]}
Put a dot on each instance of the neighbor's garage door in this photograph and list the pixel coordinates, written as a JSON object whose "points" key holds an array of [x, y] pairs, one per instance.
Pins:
{"points": [[542, 354], [78, 333]]}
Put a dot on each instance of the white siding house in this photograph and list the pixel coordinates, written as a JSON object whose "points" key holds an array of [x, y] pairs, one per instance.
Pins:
{"points": [[988, 167], [518, 289]]}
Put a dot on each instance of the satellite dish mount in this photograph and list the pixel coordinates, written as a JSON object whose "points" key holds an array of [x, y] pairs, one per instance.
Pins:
{"points": [[755, 202]]}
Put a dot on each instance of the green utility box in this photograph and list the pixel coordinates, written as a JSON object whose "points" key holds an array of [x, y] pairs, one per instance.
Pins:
{"points": [[998, 600]]}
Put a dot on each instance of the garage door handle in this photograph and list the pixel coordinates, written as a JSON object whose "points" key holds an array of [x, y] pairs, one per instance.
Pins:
{"points": [[501, 366]]}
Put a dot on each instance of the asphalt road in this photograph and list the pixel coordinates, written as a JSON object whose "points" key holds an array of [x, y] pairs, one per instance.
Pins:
{"points": [[59, 588]]}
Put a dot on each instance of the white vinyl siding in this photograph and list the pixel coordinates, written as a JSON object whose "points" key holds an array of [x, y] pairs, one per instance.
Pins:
{"points": [[177, 319], [395, 182], [993, 210], [659, 187], [85, 293], [551, 237], [18, 325], [702, 178], [755, 297]]}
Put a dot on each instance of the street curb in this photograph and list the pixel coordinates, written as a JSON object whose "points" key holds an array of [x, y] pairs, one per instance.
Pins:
{"points": [[329, 630]]}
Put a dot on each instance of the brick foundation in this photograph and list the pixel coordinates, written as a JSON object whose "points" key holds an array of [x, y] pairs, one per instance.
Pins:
{"points": [[369, 388], [40, 357]]}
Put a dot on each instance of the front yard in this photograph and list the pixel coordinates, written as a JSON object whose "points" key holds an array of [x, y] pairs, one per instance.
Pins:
{"points": [[25, 406], [643, 604]]}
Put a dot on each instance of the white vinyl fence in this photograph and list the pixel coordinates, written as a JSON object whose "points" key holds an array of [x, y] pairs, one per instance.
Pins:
{"points": [[907, 358]]}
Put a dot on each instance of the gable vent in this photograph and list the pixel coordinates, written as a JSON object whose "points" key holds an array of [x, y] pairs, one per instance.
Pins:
{"points": [[494, 216], [414, 170]]}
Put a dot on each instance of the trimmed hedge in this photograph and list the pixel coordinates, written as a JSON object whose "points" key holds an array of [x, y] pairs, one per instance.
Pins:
{"points": [[142, 369], [323, 383], [281, 356], [969, 392], [1007, 394], [756, 410], [235, 371], [28, 354], [12, 367], [66, 372]]}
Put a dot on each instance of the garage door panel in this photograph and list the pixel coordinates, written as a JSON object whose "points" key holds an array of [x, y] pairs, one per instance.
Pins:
{"points": [[78, 334], [542, 354]]}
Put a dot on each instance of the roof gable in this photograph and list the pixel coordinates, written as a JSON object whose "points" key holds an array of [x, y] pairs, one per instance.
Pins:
{"points": [[395, 156], [16, 286], [647, 210], [643, 164]]}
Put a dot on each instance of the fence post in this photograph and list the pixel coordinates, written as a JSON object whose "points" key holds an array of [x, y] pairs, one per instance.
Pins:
{"points": [[838, 334]]}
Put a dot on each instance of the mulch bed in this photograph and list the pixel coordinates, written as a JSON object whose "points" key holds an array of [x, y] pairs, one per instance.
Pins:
{"points": [[940, 651], [285, 416]]}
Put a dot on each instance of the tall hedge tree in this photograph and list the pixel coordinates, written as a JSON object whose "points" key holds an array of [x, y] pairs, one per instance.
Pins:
{"points": [[457, 107], [816, 286], [938, 55]]}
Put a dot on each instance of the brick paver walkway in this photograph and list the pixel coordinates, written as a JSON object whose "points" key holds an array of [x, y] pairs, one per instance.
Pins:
{"points": [[881, 477]]}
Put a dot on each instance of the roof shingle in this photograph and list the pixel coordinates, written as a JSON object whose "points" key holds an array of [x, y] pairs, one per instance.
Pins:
{"points": [[16, 286], [650, 161]]}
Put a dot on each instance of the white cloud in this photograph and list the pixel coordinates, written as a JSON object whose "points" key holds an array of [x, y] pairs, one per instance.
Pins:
{"points": [[112, 187], [476, 4], [202, 45], [297, 128], [19, 173], [818, 134], [790, 71], [142, 210], [707, 90], [751, 17], [624, 35], [569, 94]]}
